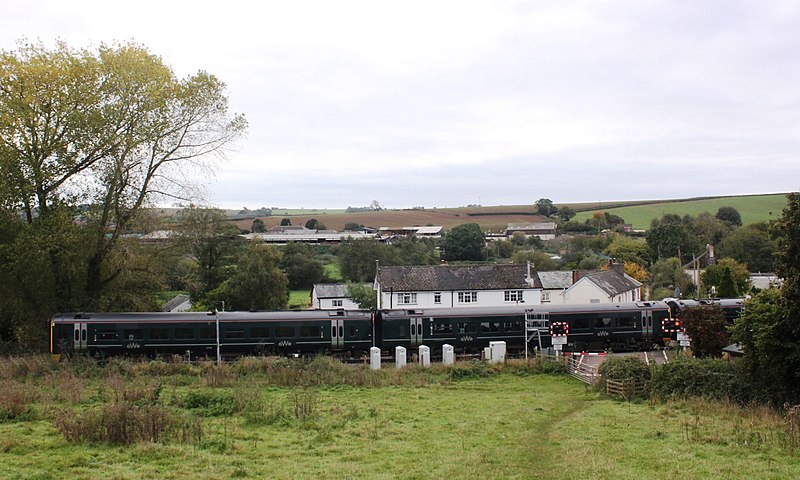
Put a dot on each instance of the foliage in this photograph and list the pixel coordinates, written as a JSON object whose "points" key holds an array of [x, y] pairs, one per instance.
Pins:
{"points": [[752, 246], [286, 222], [301, 268], [706, 326], [727, 270], [622, 368], [314, 224], [729, 215], [258, 282], [545, 207], [668, 273], [258, 226], [540, 261], [769, 328], [357, 258], [625, 248], [690, 377], [565, 213], [671, 235], [464, 242], [636, 271], [363, 295]]}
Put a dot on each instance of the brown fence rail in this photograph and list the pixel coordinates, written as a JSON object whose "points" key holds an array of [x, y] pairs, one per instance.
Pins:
{"points": [[627, 389]]}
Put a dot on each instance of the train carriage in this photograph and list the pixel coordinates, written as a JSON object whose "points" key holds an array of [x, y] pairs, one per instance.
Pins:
{"points": [[240, 333]]}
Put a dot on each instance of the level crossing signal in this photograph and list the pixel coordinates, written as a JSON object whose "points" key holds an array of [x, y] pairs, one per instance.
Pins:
{"points": [[671, 325], [559, 329]]}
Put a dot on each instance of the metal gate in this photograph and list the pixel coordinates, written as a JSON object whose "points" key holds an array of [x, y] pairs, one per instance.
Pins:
{"points": [[80, 338]]}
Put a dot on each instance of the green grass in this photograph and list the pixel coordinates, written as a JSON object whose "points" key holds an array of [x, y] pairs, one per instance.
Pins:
{"points": [[299, 299], [332, 271], [414, 423], [755, 208]]}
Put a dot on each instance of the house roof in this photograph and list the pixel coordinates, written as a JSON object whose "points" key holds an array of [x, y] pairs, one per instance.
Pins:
{"points": [[175, 302], [557, 279], [532, 226], [611, 282], [332, 290], [445, 277]]}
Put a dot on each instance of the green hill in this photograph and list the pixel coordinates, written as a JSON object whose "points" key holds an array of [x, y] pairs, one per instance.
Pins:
{"points": [[753, 208]]}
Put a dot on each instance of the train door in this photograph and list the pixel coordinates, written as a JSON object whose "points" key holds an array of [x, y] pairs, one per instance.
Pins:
{"points": [[647, 324], [415, 328], [80, 338], [337, 333]]}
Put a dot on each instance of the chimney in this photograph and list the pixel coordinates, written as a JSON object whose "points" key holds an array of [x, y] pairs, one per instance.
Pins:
{"points": [[710, 251], [528, 277], [617, 267], [576, 275]]}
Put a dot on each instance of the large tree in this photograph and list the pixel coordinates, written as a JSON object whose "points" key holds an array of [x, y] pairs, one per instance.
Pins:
{"points": [[464, 242], [769, 328], [113, 129]]}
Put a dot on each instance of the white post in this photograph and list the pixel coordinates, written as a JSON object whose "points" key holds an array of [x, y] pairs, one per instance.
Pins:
{"points": [[219, 355], [375, 358], [400, 357], [424, 356], [448, 358]]}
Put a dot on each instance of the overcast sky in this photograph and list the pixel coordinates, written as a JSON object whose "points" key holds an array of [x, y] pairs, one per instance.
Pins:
{"points": [[448, 103]]}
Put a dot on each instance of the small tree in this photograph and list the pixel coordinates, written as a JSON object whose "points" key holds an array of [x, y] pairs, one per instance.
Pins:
{"points": [[545, 207], [258, 226], [363, 295], [285, 222], [464, 242], [706, 326], [729, 215]]}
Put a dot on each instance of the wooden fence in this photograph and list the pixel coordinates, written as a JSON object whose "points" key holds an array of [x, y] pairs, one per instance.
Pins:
{"points": [[627, 389]]}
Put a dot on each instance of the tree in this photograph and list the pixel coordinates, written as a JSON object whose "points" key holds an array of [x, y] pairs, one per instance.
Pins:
{"points": [[286, 222], [258, 282], [505, 249], [565, 213], [706, 326], [363, 295], [752, 246], [625, 248], [729, 215], [732, 284], [667, 276], [314, 224], [258, 226], [113, 130], [540, 261], [769, 328], [545, 207], [349, 226], [670, 235], [464, 242], [357, 258], [301, 268]]}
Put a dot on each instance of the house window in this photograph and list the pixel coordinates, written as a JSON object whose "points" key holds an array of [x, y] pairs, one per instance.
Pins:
{"points": [[513, 295], [467, 297], [545, 297], [337, 303], [437, 297], [406, 298]]}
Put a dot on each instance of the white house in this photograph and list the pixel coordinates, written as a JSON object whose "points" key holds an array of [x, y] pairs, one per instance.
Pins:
{"points": [[331, 296], [443, 286], [543, 230], [592, 286]]}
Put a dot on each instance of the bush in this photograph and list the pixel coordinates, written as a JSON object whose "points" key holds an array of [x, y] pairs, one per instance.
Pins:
{"points": [[622, 368], [211, 404], [470, 369], [691, 377]]}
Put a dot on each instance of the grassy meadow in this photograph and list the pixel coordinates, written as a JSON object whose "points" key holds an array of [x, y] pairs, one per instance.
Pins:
{"points": [[754, 208], [276, 418]]}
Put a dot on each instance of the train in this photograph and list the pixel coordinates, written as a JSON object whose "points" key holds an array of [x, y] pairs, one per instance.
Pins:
{"points": [[351, 333]]}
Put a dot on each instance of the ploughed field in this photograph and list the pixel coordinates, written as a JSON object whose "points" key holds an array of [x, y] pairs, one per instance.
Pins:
{"points": [[279, 418]]}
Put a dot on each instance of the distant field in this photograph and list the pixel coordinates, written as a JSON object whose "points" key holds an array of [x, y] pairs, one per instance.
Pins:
{"points": [[755, 208]]}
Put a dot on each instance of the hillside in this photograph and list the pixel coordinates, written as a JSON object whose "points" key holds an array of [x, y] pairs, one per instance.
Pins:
{"points": [[753, 208]]}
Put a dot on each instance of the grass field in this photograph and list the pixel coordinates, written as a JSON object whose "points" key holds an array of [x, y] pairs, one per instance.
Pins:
{"points": [[276, 419], [299, 299], [756, 208]]}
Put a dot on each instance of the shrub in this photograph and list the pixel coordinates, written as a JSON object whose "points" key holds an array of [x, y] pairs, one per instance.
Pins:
{"points": [[622, 368], [470, 369], [690, 377], [15, 400], [211, 404]]}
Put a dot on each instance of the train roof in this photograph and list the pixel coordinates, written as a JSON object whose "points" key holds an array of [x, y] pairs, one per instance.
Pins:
{"points": [[169, 317], [588, 308]]}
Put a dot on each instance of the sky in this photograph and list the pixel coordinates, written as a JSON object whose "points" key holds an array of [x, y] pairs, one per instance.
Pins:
{"points": [[451, 103]]}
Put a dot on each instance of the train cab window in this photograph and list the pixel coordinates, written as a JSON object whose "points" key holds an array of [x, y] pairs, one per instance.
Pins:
{"points": [[184, 334], [284, 332], [442, 328], [133, 334], [207, 333], [580, 324], [311, 332], [259, 332], [602, 323], [466, 327], [106, 335], [512, 326], [490, 326], [158, 334], [234, 334]]}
